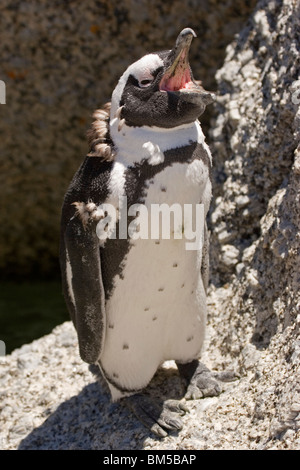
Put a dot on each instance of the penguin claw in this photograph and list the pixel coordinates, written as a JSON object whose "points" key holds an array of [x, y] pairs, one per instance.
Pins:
{"points": [[226, 376], [193, 393], [203, 385], [158, 430], [158, 420], [170, 423], [176, 407]]}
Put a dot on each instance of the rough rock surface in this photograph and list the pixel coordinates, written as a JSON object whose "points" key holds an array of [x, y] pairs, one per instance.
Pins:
{"points": [[61, 61], [50, 400], [255, 219]]}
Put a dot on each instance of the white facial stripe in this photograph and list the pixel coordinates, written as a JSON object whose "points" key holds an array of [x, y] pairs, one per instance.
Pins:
{"points": [[145, 66], [141, 70]]}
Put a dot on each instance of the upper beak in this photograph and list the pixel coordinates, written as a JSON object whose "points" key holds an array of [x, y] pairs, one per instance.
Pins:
{"points": [[178, 76]]}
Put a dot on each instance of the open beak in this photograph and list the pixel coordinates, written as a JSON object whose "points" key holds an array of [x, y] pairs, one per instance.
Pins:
{"points": [[178, 76]]}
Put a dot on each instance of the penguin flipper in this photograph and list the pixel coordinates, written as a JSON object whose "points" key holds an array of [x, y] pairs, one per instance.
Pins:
{"points": [[85, 287]]}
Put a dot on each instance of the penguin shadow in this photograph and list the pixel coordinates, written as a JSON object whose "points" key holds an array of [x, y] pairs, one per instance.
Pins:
{"points": [[90, 421]]}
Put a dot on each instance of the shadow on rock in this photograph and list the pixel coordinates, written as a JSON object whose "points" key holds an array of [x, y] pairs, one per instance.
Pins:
{"points": [[89, 421]]}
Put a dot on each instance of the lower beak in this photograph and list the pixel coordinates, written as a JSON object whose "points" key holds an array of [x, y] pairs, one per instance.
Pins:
{"points": [[178, 74]]}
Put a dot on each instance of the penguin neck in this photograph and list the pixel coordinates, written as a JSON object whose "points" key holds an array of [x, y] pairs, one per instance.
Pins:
{"points": [[135, 144]]}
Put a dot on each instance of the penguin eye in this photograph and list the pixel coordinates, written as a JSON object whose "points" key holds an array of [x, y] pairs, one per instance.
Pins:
{"points": [[146, 82]]}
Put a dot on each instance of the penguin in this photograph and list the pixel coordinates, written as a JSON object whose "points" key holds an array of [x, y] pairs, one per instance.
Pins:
{"points": [[137, 301]]}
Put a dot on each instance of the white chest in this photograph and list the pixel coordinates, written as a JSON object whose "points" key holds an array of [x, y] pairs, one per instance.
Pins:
{"points": [[157, 310]]}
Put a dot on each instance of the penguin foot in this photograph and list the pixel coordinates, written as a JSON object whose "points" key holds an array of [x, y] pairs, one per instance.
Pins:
{"points": [[159, 420], [201, 381]]}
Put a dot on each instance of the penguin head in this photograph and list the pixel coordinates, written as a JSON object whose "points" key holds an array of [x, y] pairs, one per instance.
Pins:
{"points": [[159, 89]]}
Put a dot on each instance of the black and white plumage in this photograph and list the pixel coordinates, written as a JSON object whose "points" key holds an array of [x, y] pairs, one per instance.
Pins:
{"points": [[138, 302]]}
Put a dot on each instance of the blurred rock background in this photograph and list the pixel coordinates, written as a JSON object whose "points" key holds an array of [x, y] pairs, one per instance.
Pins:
{"points": [[60, 61]]}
